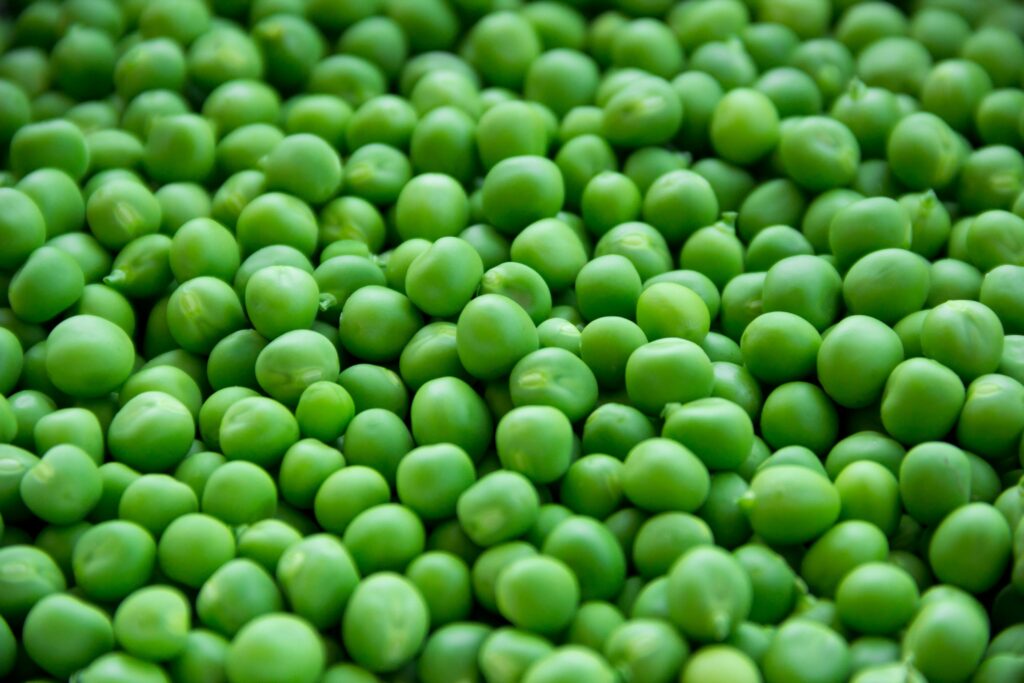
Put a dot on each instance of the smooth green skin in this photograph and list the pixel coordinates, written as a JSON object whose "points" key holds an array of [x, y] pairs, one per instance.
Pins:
{"points": [[709, 593], [554, 377], [276, 647], [838, 551], [92, 258], [58, 199], [303, 165], [444, 581], [88, 356], [112, 559], [339, 276], [521, 190], [646, 649], [678, 203], [63, 487], [430, 479], [510, 129], [442, 279], [488, 566], [317, 576], [805, 651], [62, 634], [790, 504], [305, 466], [237, 593], [280, 299], [992, 239], [593, 624], [912, 384], [990, 420], [193, 547], [819, 153], [953, 90], [379, 439], [552, 249], [856, 358], [452, 650], [152, 432], [945, 332], [996, 293], [923, 152], [569, 663], [201, 312], [239, 492], [998, 115], [666, 309], [667, 371], [720, 663], [74, 426], [293, 361], [615, 428], [661, 475], [643, 245], [779, 347], [202, 246], [153, 623], [723, 512], [375, 386], [593, 485], [773, 583], [606, 345], [806, 286], [947, 637], [431, 206], [888, 284], [385, 623], [716, 430], [142, 268], [324, 411], [744, 126], [868, 225], [375, 172], [180, 148], [376, 323], [202, 659], [498, 507], [447, 410], [493, 333], [773, 244], [971, 547], [799, 414], [431, 353], [31, 575], [117, 667], [664, 538], [536, 441], [608, 199], [211, 415], [934, 480], [384, 538], [49, 144], [271, 219], [876, 598], [869, 492], [537, 594], [346, 493], [153, 501], [116, 477], [592, 552], [265, 541]]}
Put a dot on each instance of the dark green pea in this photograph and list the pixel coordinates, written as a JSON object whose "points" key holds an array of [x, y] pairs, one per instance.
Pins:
{"points": [[942, 31], [776, 202], [592, 553], [242, 148], [980, 528], [379, 439], [234, 195]]}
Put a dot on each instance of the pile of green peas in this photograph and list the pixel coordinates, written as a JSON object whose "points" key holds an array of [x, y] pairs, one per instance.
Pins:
{"points": [[539, 341]]}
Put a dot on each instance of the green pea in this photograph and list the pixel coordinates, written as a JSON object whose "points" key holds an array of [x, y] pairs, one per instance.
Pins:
{"points": [[709, 593], [239, 492], [112, 559], [498, 507], [943, 331], [667, 371], [934, 480], [513, 179], [324, 411], [970, 548], [869, 492], [384, 604], [193, 547], [936, 653], [202, 658], [664, 538], [663, 475], [840, 550], [803, 650], [153, 501], [779, 515], [744, 126], [593, 554], [82, 632], [444, 581]]}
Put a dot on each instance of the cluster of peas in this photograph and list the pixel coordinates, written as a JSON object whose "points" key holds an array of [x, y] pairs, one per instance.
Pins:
{"points": [[647, 341]]}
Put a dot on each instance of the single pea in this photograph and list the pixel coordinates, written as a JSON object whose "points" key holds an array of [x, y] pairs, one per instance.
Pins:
{"points": [[63, 486], [970, 548], [936, 655], [639, 242], [683, 361], [49, 144], [274, 218], [678, 203], [593, 554], [802, 646], [449, 469], [239, 492], [664, 538], [779, 516], [663, 475], [799, 413], [924, 152], [498, 507], [934, 480], [709, 593], [112, 559], [593, 485], [543, 612], [942, 337], [510, 181], [554, 377], [744, 126], [405, 619], [193, 547], [324, 411], [153, 501], [990, 420], [779, 347], [82, 632], [152, 623]]}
